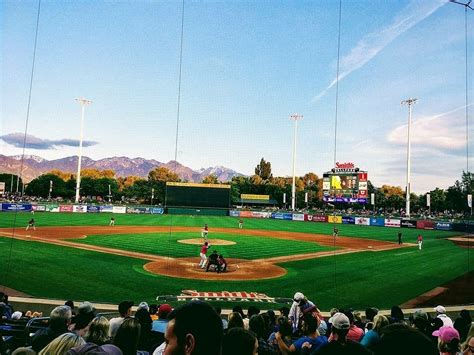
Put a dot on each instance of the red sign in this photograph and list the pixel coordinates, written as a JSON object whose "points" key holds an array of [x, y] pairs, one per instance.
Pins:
{"points": [[345, 165], [362, 176]]}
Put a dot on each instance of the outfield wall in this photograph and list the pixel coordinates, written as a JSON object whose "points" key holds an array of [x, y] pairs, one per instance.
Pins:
{"points": [[465, 226]]}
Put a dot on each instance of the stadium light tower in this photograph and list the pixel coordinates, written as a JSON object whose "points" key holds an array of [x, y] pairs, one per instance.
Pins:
{"points": [[83, 102], [408, 102], [295, 117]]}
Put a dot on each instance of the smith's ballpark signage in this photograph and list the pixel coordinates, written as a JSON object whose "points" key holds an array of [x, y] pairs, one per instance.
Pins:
{"points": [[241, 296], [344, 167]]}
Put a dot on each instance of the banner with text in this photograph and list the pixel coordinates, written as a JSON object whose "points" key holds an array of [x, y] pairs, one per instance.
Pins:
{"points": [[378, 222], [334, 219], [298, 217], [364, 221], [348, 220], [390, 222], [16, 207], [119, 209], [279, 215]]}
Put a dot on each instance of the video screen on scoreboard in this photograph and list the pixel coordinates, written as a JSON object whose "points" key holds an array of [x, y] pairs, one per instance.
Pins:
{"points": [[345, 187], [197, 195]]}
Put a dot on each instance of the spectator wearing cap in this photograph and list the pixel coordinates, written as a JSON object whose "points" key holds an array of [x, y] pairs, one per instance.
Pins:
{"points": [[299, 306], [60, 319], [98, 332], [396, 315], [160, 325], [194, 329], [94, 349], [284, 333], [125, 310], [338, 343], [421, 321], [7, 307], [448, 340], [441, 314], [355, 333], [80, 322], [372, 337]]}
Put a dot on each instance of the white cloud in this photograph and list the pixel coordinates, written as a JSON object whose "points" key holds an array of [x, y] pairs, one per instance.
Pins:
{"points": [[445, 131], [372, 43]]}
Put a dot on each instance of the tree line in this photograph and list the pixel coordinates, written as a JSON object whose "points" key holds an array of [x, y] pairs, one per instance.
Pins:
{"points": [[104, 185]]}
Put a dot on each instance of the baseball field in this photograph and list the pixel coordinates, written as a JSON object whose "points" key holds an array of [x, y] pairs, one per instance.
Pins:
{"points": [[79, 256]]}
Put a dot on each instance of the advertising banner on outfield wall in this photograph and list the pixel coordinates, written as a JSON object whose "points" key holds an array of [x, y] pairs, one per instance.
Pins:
{"points": [[139, 210], [39, 208], [157, 210], [93, 209], [106, 209], [426, 224], [52, 207], [298, 217], [348, 220], [246, 214], [315, 218], [379, 222], [408, 223], [259, 214], [65, 208], [279, 215], [79, 209], [444, 226], [16, 207], [364, 221], [234, 213], [390, 222], [334, 219], [119, 209]]}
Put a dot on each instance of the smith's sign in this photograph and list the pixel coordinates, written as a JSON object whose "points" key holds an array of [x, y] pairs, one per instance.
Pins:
{"points": [[241, 296]]}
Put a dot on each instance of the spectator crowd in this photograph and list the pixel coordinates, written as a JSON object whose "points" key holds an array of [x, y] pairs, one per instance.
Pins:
{"points": [[197, 328]]}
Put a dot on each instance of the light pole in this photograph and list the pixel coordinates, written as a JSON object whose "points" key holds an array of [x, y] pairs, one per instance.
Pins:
{"points": [[50, 189], [295, 117], [83, 102], [408, 102]]}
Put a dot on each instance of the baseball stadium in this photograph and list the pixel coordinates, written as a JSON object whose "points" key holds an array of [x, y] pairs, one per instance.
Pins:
{"points": [[159, 194]]}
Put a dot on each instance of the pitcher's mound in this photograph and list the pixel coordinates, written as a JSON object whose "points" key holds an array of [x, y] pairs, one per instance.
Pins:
{"points": [[200, 241], [237, 269]]}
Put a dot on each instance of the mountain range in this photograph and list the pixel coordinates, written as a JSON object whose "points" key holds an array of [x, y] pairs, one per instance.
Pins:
{"points": [[34, 166]]}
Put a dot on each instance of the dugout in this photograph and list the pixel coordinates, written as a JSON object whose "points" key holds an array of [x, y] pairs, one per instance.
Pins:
{"points": [[197, 199]]}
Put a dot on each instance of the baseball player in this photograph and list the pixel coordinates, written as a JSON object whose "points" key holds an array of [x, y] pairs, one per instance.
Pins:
{"points": [[112, 222], [241, 223], [202, 254], [205, 232], [31, 223], [335, 232], [420, 241]]}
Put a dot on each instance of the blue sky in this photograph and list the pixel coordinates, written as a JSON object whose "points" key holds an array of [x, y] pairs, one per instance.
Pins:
{"points": [[247, 65]]}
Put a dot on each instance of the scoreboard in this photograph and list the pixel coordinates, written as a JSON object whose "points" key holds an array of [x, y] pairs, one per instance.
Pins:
{"points": [[345, 183], [179, 194]]}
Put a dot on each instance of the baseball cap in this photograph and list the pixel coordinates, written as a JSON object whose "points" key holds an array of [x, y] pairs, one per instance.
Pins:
{"points": [[440, 309], [164, 310], [86, 307], [340, 321], [143, 305], [16, 315], [298, 297], [124, 306], [446, 334], [420, 314]]}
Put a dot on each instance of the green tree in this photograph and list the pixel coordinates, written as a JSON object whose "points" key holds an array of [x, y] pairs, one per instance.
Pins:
{"points": [[210, 179], [10, 181], [40, 187], [264, 169]]}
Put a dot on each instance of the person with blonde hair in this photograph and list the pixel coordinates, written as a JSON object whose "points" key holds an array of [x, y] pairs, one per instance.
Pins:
{"points": [[468, 346], [62, 344], [372, 337], [98, 332]]}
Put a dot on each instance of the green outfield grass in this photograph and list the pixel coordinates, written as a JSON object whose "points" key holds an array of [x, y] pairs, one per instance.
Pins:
{"points": [[358, 280]]}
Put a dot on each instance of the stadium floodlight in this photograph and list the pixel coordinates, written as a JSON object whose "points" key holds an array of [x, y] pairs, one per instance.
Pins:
{"points": [[408, 102], [83, 102], [295, 117]]}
